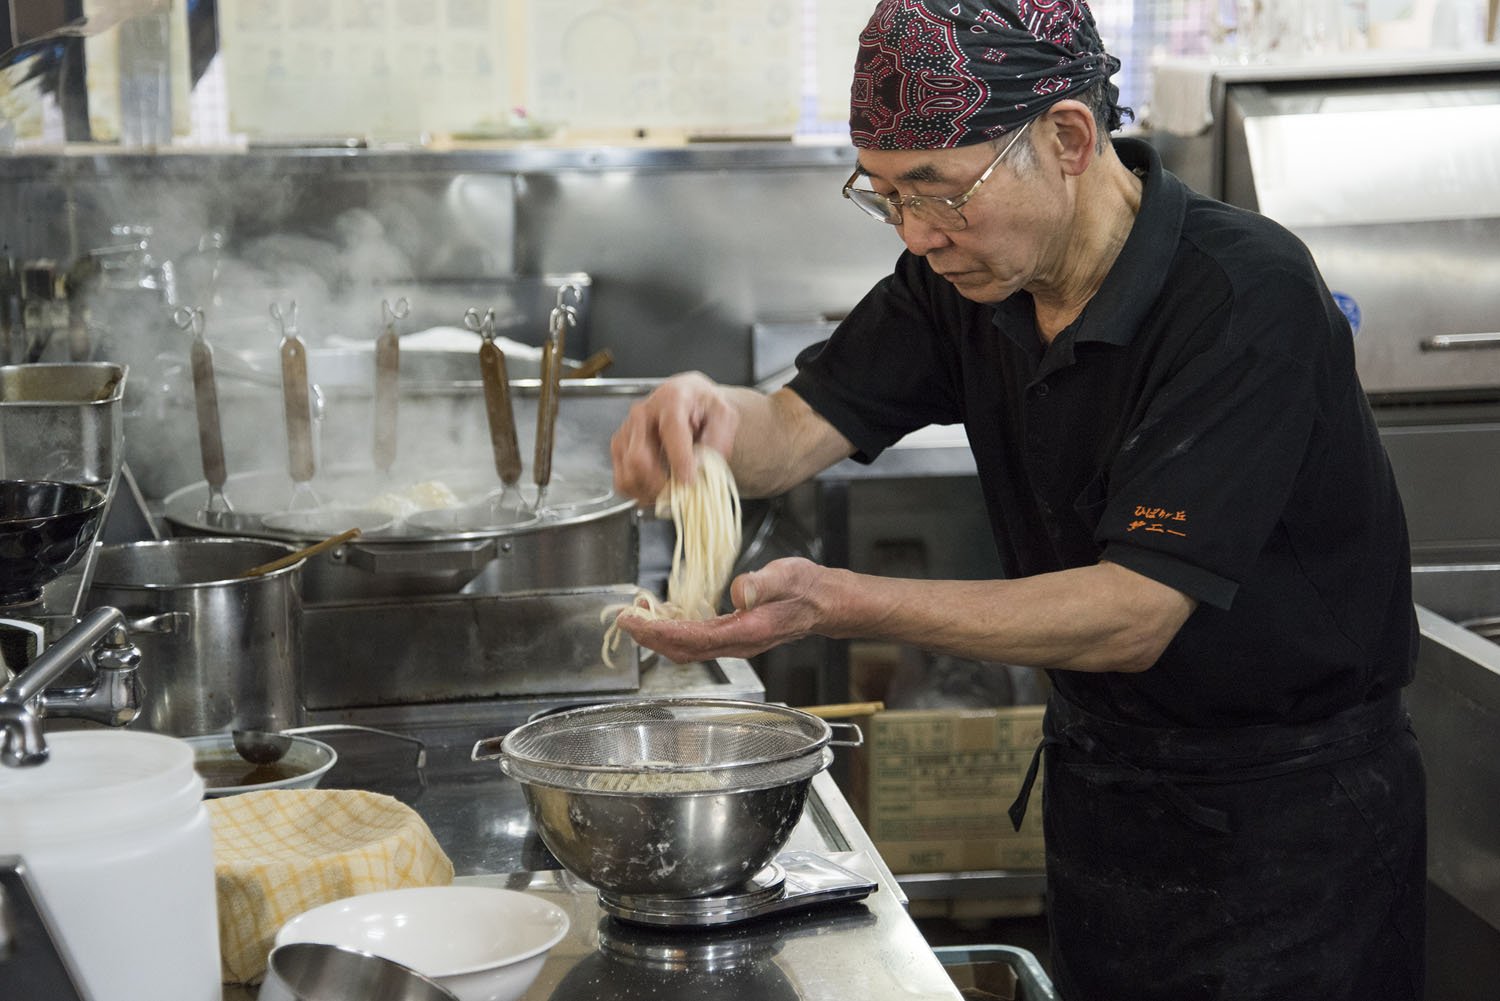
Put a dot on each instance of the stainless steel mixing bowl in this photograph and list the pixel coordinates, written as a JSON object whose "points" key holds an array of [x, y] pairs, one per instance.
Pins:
{"points": [[673, 843], [666, 797], [314, 971]]}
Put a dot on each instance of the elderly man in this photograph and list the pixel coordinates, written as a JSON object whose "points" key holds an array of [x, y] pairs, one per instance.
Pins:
{"points": [[1203, 542]]}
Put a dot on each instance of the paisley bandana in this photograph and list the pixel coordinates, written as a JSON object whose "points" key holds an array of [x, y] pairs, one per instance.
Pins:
{"points": [[936, 74]]}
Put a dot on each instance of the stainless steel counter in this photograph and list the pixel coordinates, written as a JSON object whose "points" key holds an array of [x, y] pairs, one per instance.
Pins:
{"points": [[868, 950], [1455, 707]]}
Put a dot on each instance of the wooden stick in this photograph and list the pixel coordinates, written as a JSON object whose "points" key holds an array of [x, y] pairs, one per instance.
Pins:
{"points": [[592, 365], [300, 554], [844, 710]]}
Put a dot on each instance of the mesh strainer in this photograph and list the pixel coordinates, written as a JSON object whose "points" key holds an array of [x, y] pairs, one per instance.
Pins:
{"points": [[682, 745]]}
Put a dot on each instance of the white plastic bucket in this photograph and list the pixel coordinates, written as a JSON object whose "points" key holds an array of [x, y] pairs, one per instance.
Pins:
{"points": [[113, 832]]}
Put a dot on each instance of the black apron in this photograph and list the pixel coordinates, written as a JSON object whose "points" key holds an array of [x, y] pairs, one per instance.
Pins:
{"points": [[1269, 863]]}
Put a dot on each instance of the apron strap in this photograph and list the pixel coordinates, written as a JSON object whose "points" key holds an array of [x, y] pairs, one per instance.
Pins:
{"points": [[1017, 809], [1192, 811]]}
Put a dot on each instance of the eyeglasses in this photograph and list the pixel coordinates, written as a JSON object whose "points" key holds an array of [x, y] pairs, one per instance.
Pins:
{"points": [[942, 213]]}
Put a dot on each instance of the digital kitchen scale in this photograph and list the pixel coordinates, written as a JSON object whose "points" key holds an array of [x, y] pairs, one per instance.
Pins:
{"points": [[794, 880]]}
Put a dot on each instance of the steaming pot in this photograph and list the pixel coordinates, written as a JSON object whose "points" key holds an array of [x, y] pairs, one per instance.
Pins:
{"points": [[420, 608], [584, 544]]}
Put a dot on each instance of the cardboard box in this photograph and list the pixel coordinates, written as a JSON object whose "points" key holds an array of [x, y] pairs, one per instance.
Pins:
{"points": [[932, 786]]}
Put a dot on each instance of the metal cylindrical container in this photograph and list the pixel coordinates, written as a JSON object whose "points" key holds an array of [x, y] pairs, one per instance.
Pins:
{"points": [[61, 421], [114, 839], [219, 651]]}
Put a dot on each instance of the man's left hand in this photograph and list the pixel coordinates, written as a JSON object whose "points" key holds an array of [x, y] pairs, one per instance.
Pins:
{"points": [[773, 605]]}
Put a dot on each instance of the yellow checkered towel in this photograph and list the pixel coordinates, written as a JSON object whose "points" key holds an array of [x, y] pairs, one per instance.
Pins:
{"points": [[279, 852]]}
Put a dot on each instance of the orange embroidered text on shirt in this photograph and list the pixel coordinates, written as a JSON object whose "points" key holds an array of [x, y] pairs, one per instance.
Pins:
{"points": [[1159, 520]]}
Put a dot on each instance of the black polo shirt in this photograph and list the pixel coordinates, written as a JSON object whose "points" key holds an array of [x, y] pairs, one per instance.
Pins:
{"points": [[1200, 423]]}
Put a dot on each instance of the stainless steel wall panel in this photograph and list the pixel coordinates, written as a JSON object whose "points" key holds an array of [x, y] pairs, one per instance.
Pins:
{"points": [[1412, 282], [1319, 153], [687, 247], [686, 261], [463, 647], [1449, 483], [1455, 707], [1390, 174]]}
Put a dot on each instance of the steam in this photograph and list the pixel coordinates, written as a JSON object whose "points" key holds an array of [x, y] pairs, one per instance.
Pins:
{"points": [[236, 236]]}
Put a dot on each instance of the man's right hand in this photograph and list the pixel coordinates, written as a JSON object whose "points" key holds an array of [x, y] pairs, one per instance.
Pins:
{"points": [[656, 439]]}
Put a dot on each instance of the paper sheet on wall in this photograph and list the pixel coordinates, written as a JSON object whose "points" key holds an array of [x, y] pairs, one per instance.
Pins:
{"points": [[381, 68], [624, 65]]}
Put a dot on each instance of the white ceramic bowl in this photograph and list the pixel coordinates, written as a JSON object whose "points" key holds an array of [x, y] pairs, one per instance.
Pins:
{"points": [[225, 773], [482, 943]]}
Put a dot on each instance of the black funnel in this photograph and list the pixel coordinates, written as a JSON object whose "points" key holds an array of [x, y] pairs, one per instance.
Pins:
{"points": [[45, 528]]}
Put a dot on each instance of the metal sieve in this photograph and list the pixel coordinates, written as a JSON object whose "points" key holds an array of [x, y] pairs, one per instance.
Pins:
{"points": [[686, 745], [666, 797]]}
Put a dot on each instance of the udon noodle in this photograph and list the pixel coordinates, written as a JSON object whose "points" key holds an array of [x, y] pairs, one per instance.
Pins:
{"points": [[425, 496], [656, 782], [706, 515]]}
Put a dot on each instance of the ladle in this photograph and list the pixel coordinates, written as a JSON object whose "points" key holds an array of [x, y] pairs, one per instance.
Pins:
{"points": [[500, 412], [297, 402], [263, 747], [255, 746], [563, 316], [387, 383], [206, 404]]}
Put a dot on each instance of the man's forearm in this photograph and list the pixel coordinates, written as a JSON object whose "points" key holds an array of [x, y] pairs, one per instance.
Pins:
{"points": [[781, 442], [1098, 618]]}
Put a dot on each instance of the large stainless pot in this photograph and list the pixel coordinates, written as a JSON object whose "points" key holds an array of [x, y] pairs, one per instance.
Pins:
{"points": [[593, 542], [419, 610], [219, 651]]}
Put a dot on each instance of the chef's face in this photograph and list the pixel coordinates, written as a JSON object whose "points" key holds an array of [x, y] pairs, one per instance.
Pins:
{"points": [[1010, 230]]}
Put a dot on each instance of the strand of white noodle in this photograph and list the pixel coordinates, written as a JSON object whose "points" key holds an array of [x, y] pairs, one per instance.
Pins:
{"points": [[706, 515]]}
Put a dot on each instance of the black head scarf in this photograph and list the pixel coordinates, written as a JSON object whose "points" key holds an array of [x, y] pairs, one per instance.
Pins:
{"points": [[936, 74]]}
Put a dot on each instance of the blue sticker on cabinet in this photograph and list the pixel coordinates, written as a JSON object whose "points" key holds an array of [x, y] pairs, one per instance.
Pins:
{"points": [[1350, 309]]}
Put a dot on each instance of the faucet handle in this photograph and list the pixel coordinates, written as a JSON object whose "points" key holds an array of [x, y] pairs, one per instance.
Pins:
{"points": [[118, 691], [115, 652]]}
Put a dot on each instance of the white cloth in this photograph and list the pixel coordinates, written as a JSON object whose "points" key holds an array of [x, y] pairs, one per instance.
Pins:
{"points": [[1181, 97]]}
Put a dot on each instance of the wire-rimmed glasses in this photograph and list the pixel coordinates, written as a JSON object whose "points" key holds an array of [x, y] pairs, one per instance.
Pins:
{"points": [[934, 210]]}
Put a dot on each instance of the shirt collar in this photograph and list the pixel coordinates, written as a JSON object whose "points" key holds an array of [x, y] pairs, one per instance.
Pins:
{"points": [[1136, 279], [1115, 312]]}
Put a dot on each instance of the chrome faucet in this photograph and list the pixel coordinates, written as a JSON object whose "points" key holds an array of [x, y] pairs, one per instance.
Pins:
{"points": [[113, 697], [23, 743]]}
